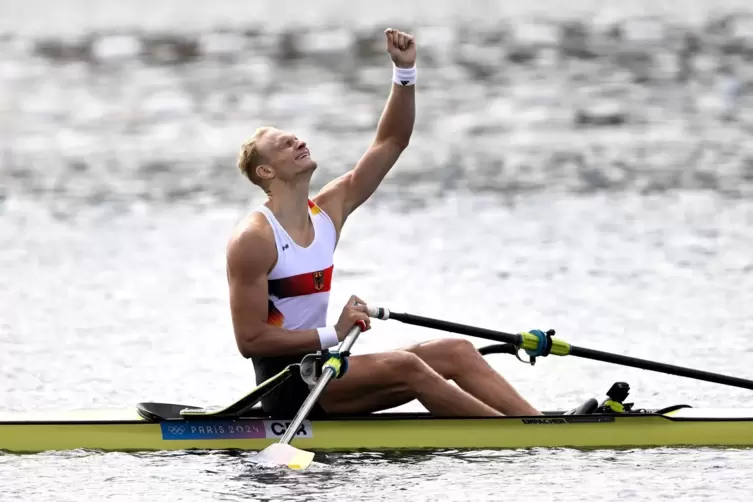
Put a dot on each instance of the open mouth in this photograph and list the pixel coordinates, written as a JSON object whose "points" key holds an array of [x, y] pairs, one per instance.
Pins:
{"points": [[303, 155]]}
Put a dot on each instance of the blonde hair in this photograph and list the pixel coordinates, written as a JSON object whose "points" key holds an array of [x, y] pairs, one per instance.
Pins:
{"points": [[251, 157]]}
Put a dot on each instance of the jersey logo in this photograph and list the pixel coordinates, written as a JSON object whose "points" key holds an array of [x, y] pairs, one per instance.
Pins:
{"points": [[307, 283], [318, 280]]}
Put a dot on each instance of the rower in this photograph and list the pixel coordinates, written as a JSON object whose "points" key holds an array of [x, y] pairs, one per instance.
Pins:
{"points": [[279, 271]]}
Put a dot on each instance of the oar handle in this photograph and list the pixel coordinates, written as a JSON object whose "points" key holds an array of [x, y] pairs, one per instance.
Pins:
{"points": [[349, 340], [378, 312]]}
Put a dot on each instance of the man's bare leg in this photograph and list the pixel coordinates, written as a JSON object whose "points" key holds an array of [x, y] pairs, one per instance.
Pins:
{"points": [[457, 359], [381, 381]]}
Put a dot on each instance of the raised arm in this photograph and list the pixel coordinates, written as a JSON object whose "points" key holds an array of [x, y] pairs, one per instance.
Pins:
{"points": [[343, 195], [251, 254]]}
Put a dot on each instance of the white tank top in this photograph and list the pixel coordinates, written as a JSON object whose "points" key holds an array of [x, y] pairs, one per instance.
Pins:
{"points": [[300, 281]]}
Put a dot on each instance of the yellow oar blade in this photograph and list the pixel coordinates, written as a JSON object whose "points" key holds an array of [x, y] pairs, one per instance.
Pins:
{"points": [[282, 454]]}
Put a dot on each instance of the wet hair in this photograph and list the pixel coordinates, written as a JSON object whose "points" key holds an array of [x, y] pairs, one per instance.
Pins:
{"points": [[250, 157]]}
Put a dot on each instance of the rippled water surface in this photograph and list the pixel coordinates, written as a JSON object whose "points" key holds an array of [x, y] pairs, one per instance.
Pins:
{"points": [[590, 172], [565, 475]]}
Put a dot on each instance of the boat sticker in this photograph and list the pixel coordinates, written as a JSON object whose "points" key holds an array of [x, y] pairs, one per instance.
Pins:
{"points": [[544, 421], [575, 419], [276, 428], [230, 429]]}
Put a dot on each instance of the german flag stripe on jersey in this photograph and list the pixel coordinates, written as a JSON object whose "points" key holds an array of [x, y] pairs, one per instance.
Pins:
{"points": [[302, 284], [314, 208], [274, 316]]}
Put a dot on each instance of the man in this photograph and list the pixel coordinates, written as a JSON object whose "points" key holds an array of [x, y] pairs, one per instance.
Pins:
{"points": [[279, 268]]}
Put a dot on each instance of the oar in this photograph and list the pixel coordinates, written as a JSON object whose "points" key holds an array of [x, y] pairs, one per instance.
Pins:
{"points": [[538, 344], [283, 453]]}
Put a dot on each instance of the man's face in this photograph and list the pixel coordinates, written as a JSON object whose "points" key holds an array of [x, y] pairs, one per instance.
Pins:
{"points": [[287, 155]]}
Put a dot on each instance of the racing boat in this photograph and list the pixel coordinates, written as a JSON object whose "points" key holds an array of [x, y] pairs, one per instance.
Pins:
{"points": [[611, 423], [244, 426]]}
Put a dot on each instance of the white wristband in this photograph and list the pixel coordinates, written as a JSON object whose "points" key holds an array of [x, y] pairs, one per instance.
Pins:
{"points": [[404, 76], [327, 337]]}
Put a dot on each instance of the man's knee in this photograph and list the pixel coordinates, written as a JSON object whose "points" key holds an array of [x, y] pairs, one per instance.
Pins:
{"points": [[445, 349], [459, 346], [405, 364]]}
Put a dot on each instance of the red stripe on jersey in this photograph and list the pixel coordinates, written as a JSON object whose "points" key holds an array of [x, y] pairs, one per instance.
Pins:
{"points": [[302, 284]]}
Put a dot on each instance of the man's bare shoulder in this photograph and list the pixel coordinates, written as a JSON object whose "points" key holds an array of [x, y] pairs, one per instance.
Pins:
{"points": [[330, 199], [251, 245]]}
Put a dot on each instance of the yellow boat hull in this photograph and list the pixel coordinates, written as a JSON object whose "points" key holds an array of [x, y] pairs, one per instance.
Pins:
{"points": [[128, 431]]}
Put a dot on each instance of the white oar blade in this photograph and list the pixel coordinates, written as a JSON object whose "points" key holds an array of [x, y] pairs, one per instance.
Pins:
{"points": [[282, 454]]}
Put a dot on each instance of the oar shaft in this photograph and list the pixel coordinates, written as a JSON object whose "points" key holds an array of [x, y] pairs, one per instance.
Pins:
{"points": [[462, 329], [307, 405], [670, 369], [327, 374], [561, 348]]}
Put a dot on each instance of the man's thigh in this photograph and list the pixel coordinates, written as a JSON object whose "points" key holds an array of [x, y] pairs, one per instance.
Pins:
{"points": [[372, 383]]}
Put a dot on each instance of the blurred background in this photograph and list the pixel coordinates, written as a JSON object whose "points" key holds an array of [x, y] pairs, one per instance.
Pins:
{"points": [[585, 166], [110, 101]]}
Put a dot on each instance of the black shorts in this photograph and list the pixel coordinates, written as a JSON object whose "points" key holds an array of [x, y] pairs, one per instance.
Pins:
{"points": [[285, 401]]}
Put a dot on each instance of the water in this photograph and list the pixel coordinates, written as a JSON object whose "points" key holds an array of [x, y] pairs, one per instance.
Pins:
{"points": [[605, 196]]}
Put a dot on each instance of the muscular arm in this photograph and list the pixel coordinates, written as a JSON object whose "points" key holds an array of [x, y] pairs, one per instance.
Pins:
{"points": [[343, 195], [250, 256]]}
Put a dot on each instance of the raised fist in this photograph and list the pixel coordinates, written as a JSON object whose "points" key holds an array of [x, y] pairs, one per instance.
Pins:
{"points": [[401, 47]]}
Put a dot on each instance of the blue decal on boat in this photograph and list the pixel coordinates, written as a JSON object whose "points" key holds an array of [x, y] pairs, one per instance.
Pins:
{"points": [[213, 429]]}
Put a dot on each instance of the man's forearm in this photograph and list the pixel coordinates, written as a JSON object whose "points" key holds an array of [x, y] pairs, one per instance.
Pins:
{"points": [[272, 341], [398, 117]]}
